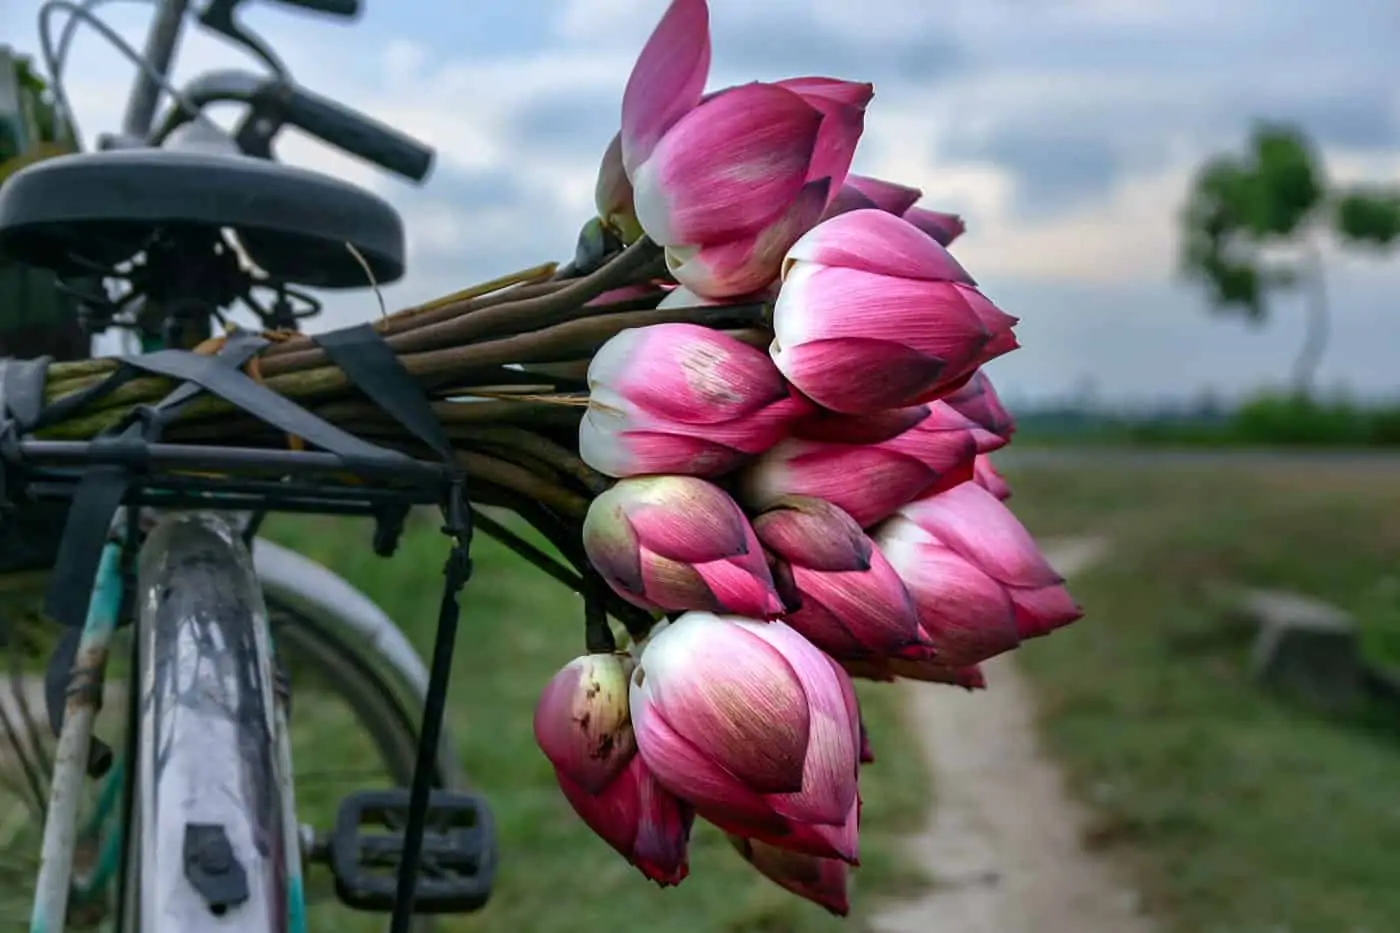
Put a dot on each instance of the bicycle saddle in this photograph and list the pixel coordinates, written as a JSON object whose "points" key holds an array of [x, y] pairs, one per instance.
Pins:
{"points": [[105, 207]]}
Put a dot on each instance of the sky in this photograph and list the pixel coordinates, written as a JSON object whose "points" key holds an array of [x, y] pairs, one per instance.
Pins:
{"points": [[1065, 131]]}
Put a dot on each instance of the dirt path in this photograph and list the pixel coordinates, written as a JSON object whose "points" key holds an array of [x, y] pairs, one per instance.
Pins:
{"points": [[1003, 843]]}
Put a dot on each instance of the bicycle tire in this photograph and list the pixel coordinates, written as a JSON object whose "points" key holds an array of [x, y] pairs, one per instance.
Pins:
{"points": [[206, 827]]}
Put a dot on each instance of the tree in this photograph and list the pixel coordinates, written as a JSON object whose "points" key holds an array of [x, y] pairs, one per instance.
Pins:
{"points": [[1254, 224]]}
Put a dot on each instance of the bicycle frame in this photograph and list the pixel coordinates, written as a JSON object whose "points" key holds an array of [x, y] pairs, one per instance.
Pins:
{"points": [[218, 755], [70, 760], [161, 42]]}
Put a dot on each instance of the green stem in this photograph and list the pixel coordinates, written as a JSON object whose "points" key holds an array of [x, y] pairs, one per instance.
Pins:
{"points": [[571, 340], [498, 472], [528, 314]]}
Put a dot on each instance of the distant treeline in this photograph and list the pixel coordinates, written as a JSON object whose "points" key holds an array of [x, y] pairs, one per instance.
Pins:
{"points": [[1283, 420]]}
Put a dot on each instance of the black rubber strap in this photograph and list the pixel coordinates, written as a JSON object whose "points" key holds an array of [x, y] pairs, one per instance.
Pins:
{"points": [[376, 370], [239, 347], [95, 501], [231, 384], [372, 367]]}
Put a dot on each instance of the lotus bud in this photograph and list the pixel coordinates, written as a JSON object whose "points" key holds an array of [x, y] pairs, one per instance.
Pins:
{"points": [[820, 880], [613, 195], [866, 292], [683, 399], [582, 723], [738, 179], [749, 723], [843, 595], [672, 543], [862, 192], [978, 579], [944, 228], [868, 481]]}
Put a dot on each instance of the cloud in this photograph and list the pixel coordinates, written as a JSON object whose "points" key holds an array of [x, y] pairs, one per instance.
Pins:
{"points": [[570, 122], [1066, 132], [1062, 170]]}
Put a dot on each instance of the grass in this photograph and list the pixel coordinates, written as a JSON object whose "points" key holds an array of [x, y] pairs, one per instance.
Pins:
{"points": [[1239, 812], [555, 875]]}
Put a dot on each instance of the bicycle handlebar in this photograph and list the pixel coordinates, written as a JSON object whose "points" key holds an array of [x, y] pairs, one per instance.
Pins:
{"points": [[276, 103], [346, 8], [354, 132]]}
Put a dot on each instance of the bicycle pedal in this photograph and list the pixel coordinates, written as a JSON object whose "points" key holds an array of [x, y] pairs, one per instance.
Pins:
{"points": [[458, 862]]}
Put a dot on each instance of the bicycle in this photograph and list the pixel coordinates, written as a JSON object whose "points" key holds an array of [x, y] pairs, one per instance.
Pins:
{"points": [[204, 834]]}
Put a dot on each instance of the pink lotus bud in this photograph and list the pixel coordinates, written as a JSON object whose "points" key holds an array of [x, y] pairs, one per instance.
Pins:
{"points": [[986, 476], [647, 824], [861, 192], [945, 228], [866, 292], [613, 195], [867, 481], [681, 398], [749, 723], [888, 196], [820, 880], [672, 543], [727, 190], [927, 670], [977, 400], [980, 583], [842, 594], [667, 80], [581, 720]]}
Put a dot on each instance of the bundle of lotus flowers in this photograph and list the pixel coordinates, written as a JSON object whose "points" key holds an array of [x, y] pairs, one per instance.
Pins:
{"points": [[753, 407]]}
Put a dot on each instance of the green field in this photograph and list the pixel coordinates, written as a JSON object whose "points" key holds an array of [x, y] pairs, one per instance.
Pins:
{"points": [[555, 875], [1240, 812]]}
